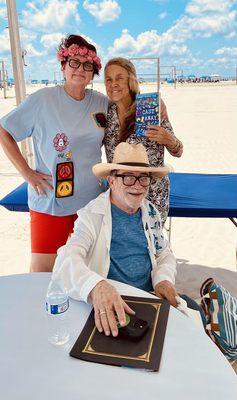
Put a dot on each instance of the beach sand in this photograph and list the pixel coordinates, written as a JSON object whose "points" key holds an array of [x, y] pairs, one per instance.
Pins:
{"points": [[204, 118]]}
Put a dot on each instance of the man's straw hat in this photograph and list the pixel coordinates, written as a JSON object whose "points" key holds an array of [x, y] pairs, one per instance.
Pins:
{"points": [[129, 157]]}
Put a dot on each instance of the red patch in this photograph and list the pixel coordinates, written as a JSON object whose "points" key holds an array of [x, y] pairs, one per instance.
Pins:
{"points": [[65, 170], [100, 119]]}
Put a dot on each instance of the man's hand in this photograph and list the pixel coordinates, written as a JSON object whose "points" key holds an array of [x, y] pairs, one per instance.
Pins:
{"points": [[166, 290], [109, 307]]}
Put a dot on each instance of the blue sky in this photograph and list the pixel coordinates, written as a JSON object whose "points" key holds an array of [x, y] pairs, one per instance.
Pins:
{"points": [[197, 36]]}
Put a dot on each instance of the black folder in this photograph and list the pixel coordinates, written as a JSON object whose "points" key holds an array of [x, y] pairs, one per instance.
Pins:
{"points": [[146, 353]]}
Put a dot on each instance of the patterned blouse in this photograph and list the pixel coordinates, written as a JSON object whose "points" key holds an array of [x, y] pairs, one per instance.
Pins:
{"points": [[159, 190]]}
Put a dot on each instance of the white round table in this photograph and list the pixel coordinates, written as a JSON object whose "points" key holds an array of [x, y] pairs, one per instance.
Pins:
{"points": [[192, 367]]}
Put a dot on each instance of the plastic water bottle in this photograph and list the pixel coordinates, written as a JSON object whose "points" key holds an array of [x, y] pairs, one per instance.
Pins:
{"points": [[57, 304]]}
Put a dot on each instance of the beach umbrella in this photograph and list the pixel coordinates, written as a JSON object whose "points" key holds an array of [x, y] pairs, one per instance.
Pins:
{"points": [[191, 76]]}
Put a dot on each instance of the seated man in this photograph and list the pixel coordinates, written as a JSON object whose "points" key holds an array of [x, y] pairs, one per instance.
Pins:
{"points": [[118, 236]]}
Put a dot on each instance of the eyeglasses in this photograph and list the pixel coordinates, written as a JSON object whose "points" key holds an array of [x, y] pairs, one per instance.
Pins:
{"points": [[130, 180], [87, 66]]}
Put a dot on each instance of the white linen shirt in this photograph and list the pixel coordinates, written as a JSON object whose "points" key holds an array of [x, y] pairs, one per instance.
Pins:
{"points": [[85, 259]]}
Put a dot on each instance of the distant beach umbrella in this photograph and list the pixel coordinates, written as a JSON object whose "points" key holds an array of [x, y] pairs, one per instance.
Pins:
{"points": [[206, 78]]}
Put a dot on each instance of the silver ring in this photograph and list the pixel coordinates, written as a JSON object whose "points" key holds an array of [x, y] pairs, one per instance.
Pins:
{"points": [[102, 312]]}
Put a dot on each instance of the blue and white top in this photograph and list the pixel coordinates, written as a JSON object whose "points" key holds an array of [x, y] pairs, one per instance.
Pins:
{"points": [[67, 137]]}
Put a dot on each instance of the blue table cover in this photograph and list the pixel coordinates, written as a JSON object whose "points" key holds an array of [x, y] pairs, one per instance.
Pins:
{"points": [[17, 199], [191, 195]]}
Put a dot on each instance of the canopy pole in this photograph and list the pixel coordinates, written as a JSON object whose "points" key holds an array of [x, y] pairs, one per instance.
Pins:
{"points": [[3, 79], [17, 66]]}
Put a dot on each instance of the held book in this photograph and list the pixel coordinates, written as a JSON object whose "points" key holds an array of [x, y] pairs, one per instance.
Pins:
{"points": [[123, 350], [147, 112]]}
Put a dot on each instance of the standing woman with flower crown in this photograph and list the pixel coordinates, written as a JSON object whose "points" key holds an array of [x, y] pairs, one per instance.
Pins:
{"points": [[122, 86], [66, 124]]}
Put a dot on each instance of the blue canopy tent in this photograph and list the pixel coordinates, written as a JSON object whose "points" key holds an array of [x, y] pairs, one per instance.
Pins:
{"points": [[205, 77], [191, 195], [170, 80], [203, 195], [10, 81]]}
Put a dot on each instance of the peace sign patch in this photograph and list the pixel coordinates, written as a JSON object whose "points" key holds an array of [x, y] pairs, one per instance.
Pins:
{"points": [[64, 179]]}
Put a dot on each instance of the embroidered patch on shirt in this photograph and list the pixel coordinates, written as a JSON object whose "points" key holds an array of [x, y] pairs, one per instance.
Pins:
{"points": [[100, 119], [68, 155], [60, 142], [64, 179]]}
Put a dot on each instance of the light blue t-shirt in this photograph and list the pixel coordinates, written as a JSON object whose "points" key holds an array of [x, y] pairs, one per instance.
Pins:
{"points": [[67, 137], [129, 257]]}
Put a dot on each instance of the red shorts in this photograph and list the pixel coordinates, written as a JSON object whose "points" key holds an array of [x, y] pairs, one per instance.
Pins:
{"points": [[49, 232]]}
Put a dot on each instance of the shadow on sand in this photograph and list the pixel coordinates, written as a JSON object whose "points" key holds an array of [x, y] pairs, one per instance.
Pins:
{"points": [[191, 276]]}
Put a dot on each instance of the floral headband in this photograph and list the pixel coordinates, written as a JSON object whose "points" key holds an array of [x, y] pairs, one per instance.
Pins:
{"points": [[75, 50]]}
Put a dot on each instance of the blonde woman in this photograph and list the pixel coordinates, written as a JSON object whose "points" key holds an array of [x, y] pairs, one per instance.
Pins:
{"points": [[122, 86]]}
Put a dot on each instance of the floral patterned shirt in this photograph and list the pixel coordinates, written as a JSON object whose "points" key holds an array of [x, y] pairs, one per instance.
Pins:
{"points": [[159, 189]]}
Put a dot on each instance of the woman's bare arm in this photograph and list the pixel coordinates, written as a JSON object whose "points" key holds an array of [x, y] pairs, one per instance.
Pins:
{"points": [[12, 151]]}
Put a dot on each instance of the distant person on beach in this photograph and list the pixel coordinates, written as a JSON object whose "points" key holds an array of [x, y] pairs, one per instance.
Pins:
{"points": [[122, 86], [66, 124]]}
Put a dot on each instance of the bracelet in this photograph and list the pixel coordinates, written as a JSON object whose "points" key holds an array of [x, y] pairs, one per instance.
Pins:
{"points": [[176, 146]]}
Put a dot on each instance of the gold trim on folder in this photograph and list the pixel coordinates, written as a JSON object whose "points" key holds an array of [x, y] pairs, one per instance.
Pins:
{"points": [[144, 357]]}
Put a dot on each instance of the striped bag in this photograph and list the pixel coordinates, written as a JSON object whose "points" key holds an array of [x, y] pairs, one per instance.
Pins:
{"points": [[220, 308]]}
